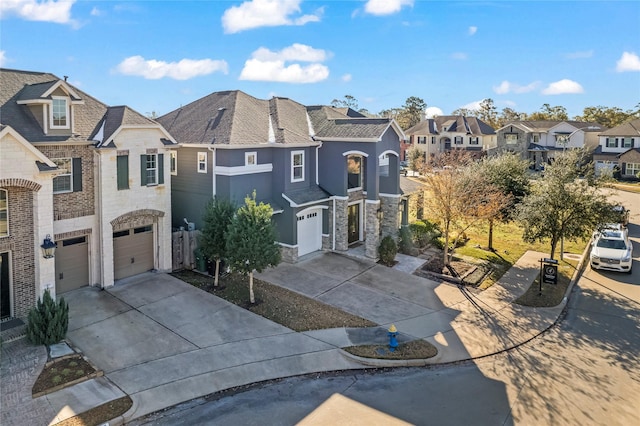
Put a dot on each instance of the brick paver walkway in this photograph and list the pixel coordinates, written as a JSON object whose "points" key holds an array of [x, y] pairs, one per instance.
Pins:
{"points": [[20, 365]]}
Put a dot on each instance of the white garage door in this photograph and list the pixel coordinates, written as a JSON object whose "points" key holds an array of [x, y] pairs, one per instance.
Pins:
{"points": [[309, 231], [132, 251], [72, 264]]}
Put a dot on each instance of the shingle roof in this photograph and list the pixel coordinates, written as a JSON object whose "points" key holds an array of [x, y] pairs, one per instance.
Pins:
{"points": [[630, 128], [26, 85], [541, 126], [117, 117], [329, 123], [453, 123], [307, 195]]}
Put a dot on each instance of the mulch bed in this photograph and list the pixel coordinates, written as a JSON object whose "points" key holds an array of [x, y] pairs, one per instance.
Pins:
{"points": [[416, 349], [65, 371], [100, 414]]}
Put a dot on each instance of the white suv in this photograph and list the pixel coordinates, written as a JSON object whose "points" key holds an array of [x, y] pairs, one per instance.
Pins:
{"points": [[612, 251]]}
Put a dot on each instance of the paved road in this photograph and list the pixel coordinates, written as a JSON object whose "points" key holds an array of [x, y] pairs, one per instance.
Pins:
{"points": [[585, 370]]}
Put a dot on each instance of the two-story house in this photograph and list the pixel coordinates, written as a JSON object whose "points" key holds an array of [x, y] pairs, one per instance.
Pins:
{"points": [[539, 141], [331, 178], [89, 178], [619, 146], [447, 132]]}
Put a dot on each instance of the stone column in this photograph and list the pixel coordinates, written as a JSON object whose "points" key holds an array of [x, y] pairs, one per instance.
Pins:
{"points": [[372, 228], [341, 227], [390, 215]]}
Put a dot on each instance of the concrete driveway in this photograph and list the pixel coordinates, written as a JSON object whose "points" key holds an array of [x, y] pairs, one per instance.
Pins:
{"points": [[163, 341]]}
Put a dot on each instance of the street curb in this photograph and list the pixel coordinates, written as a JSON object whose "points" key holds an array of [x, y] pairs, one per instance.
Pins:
{"points": [[385, 363]]}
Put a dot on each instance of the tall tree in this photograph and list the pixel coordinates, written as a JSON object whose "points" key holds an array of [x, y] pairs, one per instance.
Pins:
{"points": [[411, 112], [415, 158], [488, 112], [507, 115], [562, 205], [213, 242], [251, 240], [465, 111], [549, 113], [458, 198], [347, 102], [607, 116], [507, 173]]}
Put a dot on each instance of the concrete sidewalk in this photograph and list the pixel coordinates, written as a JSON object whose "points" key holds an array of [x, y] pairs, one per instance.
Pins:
{"points": [[162, 341]]}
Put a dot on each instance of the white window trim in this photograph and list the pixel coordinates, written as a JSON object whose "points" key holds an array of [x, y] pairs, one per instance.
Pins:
{"points": [[67, 113], [6, 210], [293, 167], [70, 174], [202, 159], [155, 183], [248, 155], [173, 160]]}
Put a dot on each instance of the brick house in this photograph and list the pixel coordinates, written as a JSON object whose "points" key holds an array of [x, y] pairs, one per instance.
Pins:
{"points": [[89, 177]]}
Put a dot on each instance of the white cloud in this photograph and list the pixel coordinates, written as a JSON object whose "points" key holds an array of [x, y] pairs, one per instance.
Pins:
{"points": [[473, 30], [58, 12], [183, 70], [386, 7], [580, 55], [562, 87], [629, 61], [96, 12], [346, 78], [507, 87], [267, 65], [460, 56], [265, 13], [431, 112], [3, 58], [475, 105]]}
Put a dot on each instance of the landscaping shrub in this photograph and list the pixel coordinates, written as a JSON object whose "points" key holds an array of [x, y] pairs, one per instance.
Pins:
{"points": [[423, 232], [388, 250], [48, 321], [406, 241]]}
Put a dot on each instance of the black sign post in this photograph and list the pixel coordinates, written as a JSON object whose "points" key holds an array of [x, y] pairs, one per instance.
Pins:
{"points": [[548, 273]]}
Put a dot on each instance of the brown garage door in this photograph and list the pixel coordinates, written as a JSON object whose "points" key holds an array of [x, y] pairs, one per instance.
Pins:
{"points": [[132, 251], [72, 264]]}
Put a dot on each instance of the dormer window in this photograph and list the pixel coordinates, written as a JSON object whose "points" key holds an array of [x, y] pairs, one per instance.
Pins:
{"points": [[59, 113]]}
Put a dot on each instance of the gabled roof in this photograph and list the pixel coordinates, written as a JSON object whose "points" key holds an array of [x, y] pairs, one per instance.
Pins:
{"points": [[330, 124], [18, 86], [117, 118], [454, 124], [630, 128], [543, 126]]}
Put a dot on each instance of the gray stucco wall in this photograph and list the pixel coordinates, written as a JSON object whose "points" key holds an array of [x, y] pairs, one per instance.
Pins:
{"points": [[190, 190]]}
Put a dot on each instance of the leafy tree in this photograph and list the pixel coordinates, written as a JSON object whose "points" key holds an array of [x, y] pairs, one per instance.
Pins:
{"points": [[213, 243], [488, 113], [411, 112], [549, 113], [508, 174], [608, 117], [465, 111], [458, 198], [251, 240], [507, 115], [415, 158], [567, 203], [347, 102]]}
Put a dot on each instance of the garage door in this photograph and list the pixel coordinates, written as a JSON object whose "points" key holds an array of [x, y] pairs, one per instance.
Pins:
{"points": [[309, 231], [132, 251], [72, 264]]}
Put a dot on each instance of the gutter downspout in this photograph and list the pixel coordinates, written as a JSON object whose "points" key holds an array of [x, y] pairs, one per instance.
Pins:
{"points": [[334, 225], [317, 153]]}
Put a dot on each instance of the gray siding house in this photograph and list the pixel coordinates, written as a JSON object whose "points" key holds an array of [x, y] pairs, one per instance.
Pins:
{"points": [[331, 176]]}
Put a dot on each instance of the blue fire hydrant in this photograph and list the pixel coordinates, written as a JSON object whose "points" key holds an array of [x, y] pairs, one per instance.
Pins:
{"points": [[393, 341]]}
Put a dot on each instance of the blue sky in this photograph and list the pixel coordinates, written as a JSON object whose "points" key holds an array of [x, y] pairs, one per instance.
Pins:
{"points": [[158, 55]]}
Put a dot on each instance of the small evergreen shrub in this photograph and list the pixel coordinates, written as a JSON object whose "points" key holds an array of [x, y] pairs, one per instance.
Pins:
{"points": [[406, 241], [388, 250], [424, 232], [48, 322]]}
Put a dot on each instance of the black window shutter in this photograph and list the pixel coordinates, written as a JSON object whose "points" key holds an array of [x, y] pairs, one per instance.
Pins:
{"points": [[123, 171], [143, 170], [160, 169], [77, 174]]}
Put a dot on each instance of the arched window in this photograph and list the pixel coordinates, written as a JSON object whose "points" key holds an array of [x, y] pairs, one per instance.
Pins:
{"points": [[354, 171], [4, 213]]}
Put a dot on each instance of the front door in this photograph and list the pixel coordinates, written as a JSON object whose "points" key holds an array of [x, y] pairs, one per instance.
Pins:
{"points": [[354, 223], [5, 289]]}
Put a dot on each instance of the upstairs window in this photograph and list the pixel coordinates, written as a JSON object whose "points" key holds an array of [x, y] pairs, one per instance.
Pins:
{"points": [[354, 171], [612, 142], [422, 140], [536, 138], [627, 142], [383, 165], [511, 138], [473, 140], [4, 213], [458, 140], [174, 162], [297, 166], [63, 182], [202, 162], [250, 158], [151, 169], [59, 113]]}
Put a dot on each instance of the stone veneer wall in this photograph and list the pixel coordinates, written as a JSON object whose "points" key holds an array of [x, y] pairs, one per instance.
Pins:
{"points": [[289, 254], [74, 204], [390, 216], [342, 225], [372, 229], [20, 243]]}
